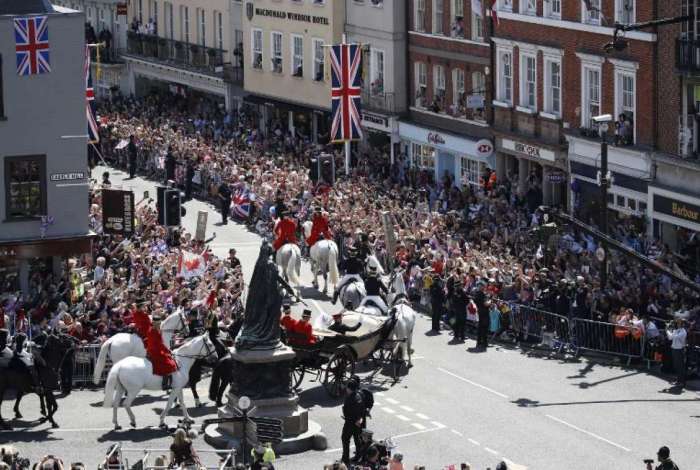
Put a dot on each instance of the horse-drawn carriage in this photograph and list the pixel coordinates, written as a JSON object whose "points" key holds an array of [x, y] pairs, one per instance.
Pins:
{"points": [[334, 356]]}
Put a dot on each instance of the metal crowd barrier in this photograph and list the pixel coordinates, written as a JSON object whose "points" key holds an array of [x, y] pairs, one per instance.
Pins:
{"points": [[550, 329], [608, 338], [84, 360], [225, 459]]}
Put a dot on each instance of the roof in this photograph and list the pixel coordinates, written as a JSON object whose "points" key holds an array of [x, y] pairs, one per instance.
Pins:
{"points": [[25, 7]]}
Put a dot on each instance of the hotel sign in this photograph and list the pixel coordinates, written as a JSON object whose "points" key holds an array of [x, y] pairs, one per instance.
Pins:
{"points": [[288, 15], [375, 121], [675, 208]]}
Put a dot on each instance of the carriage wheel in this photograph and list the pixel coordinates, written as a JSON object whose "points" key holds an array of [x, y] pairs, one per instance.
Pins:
{"points": [[298, 375], [340, 367]]}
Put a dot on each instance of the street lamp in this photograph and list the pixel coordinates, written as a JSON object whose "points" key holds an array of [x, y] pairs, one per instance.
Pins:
{"points": [[603, 122]]}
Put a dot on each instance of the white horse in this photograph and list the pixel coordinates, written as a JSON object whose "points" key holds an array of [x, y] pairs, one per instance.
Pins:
{"points": [[400, 307], [289, 260], [124, 345], [133, 374], [324, 259]]}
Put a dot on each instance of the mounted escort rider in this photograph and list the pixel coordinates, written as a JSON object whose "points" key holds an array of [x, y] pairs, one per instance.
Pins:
{"points": [[354, 267], [319, 228], [376, 290], [157, 352], [285, 229]]}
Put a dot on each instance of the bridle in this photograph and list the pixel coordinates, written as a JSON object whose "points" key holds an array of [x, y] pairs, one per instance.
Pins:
{"points": [[210, 351]]}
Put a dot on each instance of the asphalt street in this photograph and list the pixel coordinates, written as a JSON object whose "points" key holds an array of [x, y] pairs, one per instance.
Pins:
{"points": [[454, 405]]}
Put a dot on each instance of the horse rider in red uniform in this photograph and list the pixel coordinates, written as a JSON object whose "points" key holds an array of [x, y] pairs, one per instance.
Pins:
{"points": [[156, 351], [319, 227], [285, 231]]}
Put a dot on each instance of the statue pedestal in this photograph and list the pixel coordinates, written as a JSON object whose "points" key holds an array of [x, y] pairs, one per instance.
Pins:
{"points": [[264, 376]]}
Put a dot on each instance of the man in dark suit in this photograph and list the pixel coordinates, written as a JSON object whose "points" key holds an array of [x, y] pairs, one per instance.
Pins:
{"points": [[170, 163], [482, 306], [224, 202], [131, 151], [437, 301]]}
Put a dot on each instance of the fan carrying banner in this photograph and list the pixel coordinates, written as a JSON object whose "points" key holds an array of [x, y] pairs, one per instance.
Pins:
{"points": [[346, 60], [32, 45], [240, 204], [191, 265], [93, 132]]}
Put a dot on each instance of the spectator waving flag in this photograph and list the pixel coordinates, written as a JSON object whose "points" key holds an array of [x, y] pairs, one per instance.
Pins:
{"points": [[93, 132], [240, 204], [32, 45], [346, 60], [191, 265]]}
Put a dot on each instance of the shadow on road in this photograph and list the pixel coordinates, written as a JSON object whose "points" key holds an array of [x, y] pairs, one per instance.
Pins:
{"points": [[132, 435], [195, 412], [593, 384], [140, 400], [26, 436], [528, 403], [582, 373]]}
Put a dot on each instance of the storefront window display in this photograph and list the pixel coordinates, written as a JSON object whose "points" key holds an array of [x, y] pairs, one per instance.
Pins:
{"points": [[471, 171], [424, 156]]}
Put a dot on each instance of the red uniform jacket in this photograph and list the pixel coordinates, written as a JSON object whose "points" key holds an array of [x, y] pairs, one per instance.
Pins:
{"points": [[285, 232], [320, 226], [304, 329], [142, 323], [159, 355], [288, 322]]}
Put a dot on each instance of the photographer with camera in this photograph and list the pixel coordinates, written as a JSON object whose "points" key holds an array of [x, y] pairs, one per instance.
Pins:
{"points": [[664, 458]]}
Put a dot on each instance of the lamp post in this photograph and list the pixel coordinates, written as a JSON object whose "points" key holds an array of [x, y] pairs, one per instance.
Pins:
{"points": [[603, 122]]}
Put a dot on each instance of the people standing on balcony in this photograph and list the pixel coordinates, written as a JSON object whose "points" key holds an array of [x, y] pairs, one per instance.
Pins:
{"points": [[458, 27]]}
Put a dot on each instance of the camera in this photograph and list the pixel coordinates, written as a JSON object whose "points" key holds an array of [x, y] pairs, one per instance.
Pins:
{"points": [[648, 461]]}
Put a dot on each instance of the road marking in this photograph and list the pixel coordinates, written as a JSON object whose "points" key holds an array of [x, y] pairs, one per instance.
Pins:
{"points": [[422, 416], [596, 436], [392, 401], [388, 410], [407, 408], [440, 425], [316, 304], [473, 442], [417, 357], [380, 394], [483, 387], [402, 418], [454, 431], [514, 465], [490, 451], [418, 426]]}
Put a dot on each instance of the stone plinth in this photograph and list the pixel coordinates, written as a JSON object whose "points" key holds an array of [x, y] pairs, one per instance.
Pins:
{"points": [[264, 376]]}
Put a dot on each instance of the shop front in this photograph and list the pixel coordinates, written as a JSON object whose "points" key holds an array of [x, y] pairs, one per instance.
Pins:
{"points": [[307, 123], [381, 133], [675, 216], [539, 172], [465, 160]]}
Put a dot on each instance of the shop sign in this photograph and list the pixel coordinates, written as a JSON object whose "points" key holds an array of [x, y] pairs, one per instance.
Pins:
{"points": [[121, 9], [556, 177], [675, 208], [74, 176], [484, 148], [435, 138], [118, 211], [375, 121], [288, 15], [475, 101], [529, 150]]}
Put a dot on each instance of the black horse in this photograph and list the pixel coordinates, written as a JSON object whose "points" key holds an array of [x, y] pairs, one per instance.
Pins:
{"points": [[47, 364]]}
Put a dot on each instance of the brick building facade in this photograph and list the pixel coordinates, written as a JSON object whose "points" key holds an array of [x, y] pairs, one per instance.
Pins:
{"points": [[449, 57]]}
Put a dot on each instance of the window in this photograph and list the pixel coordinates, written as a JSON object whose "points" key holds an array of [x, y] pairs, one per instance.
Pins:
{"points": [[201, 31], [2, 101], [257, 52], [377, 71], [238, 49], [420, 15], [528, 81], [625, 105], [421, 72], [140, 11], [169, 21], [438, 16], [457, 19], [471, 171], [276, 56], [319, 60], [591, 96], [591, 11], [552, 8], [297, 56], [185, 19], [477, 109], [219, 30], [552, 87], [624, 11], [505, 76], [438, 89], [477, 26], [505, 5], [25, 187], [459, 99], [528, 7], [424, 156]]}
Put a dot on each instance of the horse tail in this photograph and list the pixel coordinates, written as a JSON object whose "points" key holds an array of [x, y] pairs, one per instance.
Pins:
{"points": [[333, 263], [101, 361], [111, 386], [293, 267], [215, 382]]}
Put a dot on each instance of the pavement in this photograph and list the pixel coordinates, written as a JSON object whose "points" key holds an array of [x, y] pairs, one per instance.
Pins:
{"points": [[454, 405]]}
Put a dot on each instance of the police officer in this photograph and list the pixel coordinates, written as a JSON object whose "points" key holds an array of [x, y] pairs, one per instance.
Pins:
{"points": [[169, 164], [437, 301], [354, 412], [482, 306], [224, 202], [353, 266], [131, 151], [189, 176]]}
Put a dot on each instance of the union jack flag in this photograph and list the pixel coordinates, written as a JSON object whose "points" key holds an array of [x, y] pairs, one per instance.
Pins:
{"points": [[240, 205], [32, 45], [345, 95], [93, 131]]}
